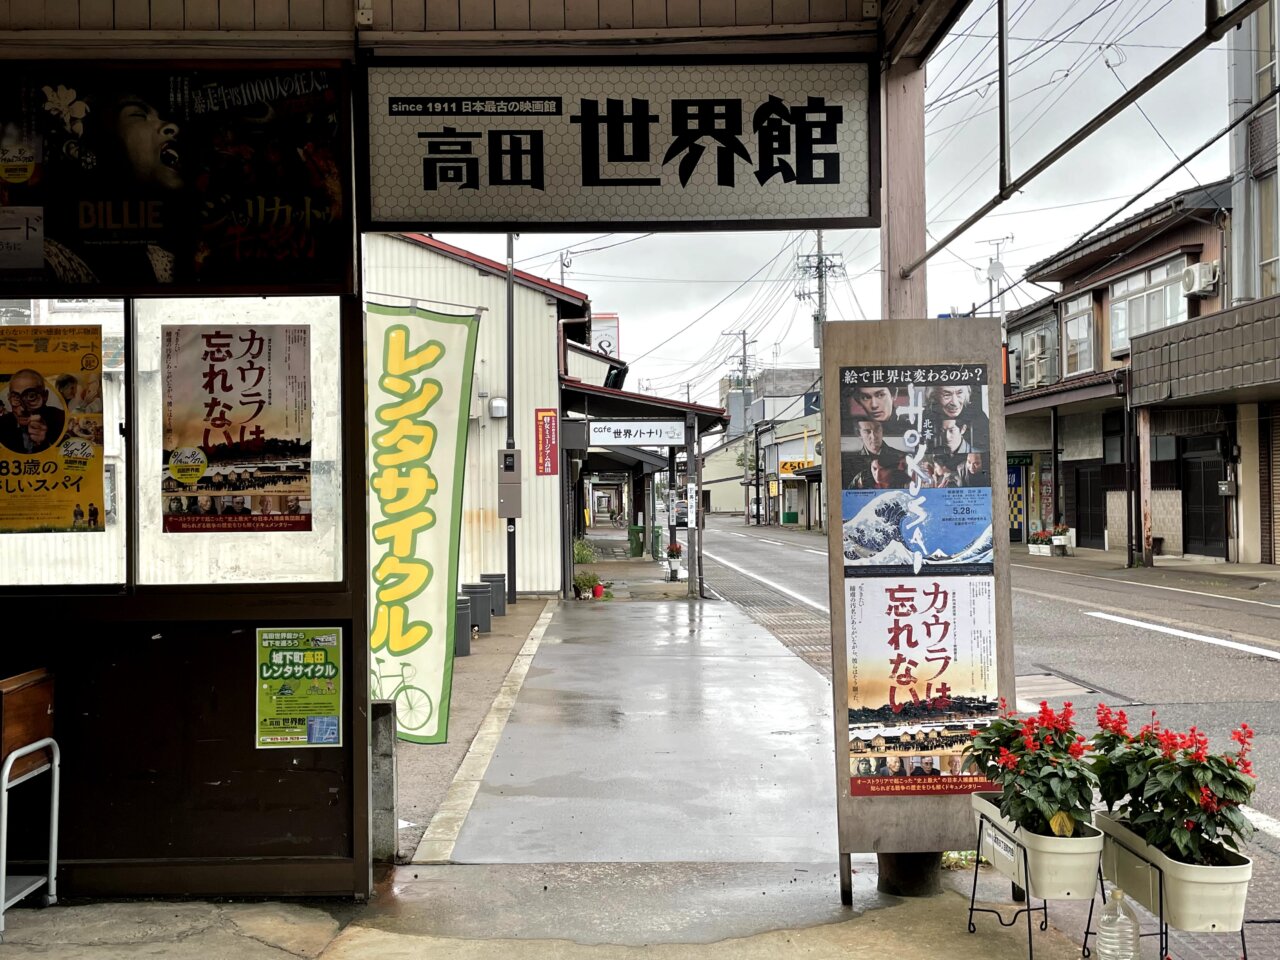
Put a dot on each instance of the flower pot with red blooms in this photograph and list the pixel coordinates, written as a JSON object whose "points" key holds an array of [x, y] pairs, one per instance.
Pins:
{"points": [[1175, 806], [1040, 542], [1043, 807], [674, 551]]}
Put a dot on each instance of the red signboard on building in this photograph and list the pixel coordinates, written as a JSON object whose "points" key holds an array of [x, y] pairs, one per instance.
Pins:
{"points": [[546, 429]]}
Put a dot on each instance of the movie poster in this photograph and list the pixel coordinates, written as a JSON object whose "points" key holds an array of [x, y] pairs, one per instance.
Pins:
{"points": [[237, 428], [147, 179], [51, 456], [919, 574]]}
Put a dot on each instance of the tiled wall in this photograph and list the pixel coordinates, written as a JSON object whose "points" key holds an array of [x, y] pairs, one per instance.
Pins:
{"points": [[1166, 519]]}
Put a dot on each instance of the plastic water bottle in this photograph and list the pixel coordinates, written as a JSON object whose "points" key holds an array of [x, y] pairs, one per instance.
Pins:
{"points": [[1118, 929]]}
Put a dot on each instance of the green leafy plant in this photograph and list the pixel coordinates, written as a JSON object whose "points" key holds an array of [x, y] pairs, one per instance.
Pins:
{"points": [[675, 549], [1041, 538], [584, 581], [583, 551], [1046, 786], [1061, 530], [1182, 799]]}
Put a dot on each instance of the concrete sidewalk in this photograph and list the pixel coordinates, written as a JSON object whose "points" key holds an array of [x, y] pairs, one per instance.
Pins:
{"points": [[704, 857]]}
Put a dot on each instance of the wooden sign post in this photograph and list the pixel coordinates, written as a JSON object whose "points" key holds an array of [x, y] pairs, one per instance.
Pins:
{"points": [[921, 618]]}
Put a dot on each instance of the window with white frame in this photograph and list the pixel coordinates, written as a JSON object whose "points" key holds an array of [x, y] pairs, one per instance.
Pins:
{"points": [[1077, 336], [1268, 249], [1146, 300], [1265, 74], [1039, 354]]}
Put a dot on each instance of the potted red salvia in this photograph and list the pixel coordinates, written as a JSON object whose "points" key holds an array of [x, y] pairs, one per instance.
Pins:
{"points": [[1044, 804], [1173, 804]]}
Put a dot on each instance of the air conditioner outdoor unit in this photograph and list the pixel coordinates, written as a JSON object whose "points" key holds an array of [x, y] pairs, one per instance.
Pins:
{"points": [[1199, 279]]}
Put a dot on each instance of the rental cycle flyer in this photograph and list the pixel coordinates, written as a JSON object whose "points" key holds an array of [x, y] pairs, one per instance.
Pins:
{"points": [[299, 687]]}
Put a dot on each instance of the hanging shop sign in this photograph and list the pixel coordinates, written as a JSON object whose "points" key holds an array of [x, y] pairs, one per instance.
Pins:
{"points": [[419, 380], [546, 432], [237, 428], [146, 179], [636, 433], [918, 605], [788, 468], [645, 144], [51, 451], [299, 687], [604, 334]]}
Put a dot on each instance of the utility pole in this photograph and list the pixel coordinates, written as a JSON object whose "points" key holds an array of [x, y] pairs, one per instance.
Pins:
{"points": [[511, 403], [818, 267], [746, 415]]}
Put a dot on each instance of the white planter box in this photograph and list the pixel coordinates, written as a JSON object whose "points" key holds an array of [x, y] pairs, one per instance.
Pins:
{"points": [[1060, 541], [1038, 549], [1197, 899], [1061, 868]]}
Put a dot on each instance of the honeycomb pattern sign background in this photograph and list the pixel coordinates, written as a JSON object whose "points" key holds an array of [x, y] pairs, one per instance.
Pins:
{"points": [[397, 153]]}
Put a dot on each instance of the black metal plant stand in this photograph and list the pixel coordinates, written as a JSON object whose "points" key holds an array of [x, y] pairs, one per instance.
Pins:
{"points": [[1162, 930], [983, 822]]}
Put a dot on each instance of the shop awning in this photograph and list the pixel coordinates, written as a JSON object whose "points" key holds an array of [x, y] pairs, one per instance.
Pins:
{"points": [[607, 403], [614, 459]]}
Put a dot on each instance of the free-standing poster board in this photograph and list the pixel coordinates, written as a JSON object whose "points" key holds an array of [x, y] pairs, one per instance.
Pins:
{"points": [[921, 617]]}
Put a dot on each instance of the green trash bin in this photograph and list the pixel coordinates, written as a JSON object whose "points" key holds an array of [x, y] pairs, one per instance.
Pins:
{"points": [[635, 537], [789, 516], [658, 553]]}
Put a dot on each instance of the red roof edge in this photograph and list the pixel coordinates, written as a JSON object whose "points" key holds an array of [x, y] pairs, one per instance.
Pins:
{"points": [[643, 397], [494, 266]]}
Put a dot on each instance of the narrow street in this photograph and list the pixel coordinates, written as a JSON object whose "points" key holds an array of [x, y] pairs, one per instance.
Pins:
{"points": [[1197, 650]]}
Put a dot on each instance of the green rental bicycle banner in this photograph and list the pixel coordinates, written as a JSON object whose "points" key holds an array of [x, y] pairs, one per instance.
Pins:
{"points": [[299, 687], [419, 383]]}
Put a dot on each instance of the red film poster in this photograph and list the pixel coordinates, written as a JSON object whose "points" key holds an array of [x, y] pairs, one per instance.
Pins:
{"points": [[546, 428]]}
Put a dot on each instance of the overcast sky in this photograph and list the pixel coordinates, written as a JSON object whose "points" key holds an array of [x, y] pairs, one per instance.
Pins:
{"points": [[695, 286]]}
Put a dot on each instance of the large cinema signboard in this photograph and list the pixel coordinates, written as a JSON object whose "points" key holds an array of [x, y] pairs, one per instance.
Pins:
{"points": [[131, 180], [746, 145]]}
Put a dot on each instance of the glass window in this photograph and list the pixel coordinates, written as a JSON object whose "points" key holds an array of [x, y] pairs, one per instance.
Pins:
{"points": [[1119, 324], [1039, 356], [1079, 344], [1265, 41], [1113, 449], [93, 410], [243, 556], [1268, 251], [1144, 301], [1164, 447]]}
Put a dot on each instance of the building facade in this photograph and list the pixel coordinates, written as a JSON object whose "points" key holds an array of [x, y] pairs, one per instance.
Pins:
{"points": [[1071, 429]]}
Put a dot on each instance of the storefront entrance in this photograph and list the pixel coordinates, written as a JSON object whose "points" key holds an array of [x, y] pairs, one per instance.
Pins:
{"points": [[1091, 507], [1204, 526]]}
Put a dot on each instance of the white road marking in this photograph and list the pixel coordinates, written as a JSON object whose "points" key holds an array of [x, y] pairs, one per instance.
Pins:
{"points": [[1187, 635], [821, 553], [768, 583], [776, 543], [733, 534], [1149, 586], [1262, 823]]}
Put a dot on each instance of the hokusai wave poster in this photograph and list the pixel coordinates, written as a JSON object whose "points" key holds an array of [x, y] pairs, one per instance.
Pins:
{"points": [[126, 179]]}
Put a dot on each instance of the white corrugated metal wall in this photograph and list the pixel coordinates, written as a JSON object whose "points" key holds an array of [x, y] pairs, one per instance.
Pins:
{"points": [[400, 268], [587, 369]]}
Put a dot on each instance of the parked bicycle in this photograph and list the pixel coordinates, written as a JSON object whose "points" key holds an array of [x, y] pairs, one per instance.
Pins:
{"points": [[413, 704]]}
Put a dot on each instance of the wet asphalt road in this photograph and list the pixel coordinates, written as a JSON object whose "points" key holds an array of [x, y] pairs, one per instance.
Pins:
{"points": [[1187, 680]]}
